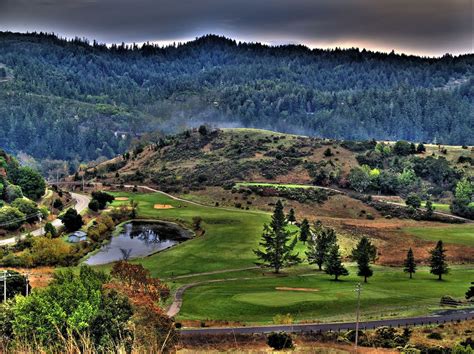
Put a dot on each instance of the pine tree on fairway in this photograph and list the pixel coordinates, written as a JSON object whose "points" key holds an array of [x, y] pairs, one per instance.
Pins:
{"points": [[291, 216], [305, 232], [438, 261], [278, 218], [363, 254], [319, 244], [409, 264], [333, 263], [277, 249]]}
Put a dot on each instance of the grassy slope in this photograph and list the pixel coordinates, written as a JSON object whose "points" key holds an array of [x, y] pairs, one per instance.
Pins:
{"points": [[388, 293], [458, 234], [227, 244]]}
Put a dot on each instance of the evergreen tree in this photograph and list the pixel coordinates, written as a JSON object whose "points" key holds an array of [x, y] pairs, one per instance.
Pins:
{"points": [[291, 216], [320, 244], [50, 229], [438, 261], [71, 220], [409, 264], [363, 254], [305, 231], [429, 208], [277, 248], [333, 263], [420, 148], [278, 218]]}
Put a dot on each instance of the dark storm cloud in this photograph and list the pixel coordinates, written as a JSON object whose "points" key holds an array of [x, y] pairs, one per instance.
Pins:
{"points": [[430, 27]]}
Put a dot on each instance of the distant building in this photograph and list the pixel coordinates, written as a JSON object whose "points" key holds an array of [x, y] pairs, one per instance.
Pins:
{"points": [[78, 236]]}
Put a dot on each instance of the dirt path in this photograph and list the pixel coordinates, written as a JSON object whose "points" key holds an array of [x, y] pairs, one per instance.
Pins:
{"points": [[190, 201], [175, 307], [212, 272]]}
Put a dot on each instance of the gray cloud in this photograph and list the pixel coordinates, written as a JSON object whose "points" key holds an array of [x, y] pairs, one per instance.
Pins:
{"points": [[431, 27]]}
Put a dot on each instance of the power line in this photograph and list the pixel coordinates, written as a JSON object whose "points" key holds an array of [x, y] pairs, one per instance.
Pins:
{"points": [[24, 218]]}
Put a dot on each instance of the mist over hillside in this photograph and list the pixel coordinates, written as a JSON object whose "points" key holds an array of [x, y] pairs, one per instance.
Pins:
{"points": [[77, 101]]}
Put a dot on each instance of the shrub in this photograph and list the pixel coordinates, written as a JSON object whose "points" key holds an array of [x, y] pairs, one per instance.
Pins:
{"points": [[30, 181], [27, 207], [413, 200], [50, 229], [72, 220], [94, 205], [435, 335], [11, 218], [102, 199], [280, 340], [283, 319], [12, 192], [328, 152], [58, 204]]}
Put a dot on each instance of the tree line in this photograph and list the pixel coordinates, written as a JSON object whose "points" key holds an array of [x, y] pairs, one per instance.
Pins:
{"points": [[67, 100], [276, 249]]}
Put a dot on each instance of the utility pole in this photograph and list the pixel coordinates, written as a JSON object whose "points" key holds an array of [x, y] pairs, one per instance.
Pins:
{"points": [[26, 281], [4, 286], [358, 289]]}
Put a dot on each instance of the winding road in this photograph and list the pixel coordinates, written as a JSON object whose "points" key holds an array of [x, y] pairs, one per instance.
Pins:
{"points": [[441, 317], [82, 201]]}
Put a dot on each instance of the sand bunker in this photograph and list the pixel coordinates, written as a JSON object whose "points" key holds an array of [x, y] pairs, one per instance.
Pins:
{"points": [[296, 289], [121, 198], [163, 206]]}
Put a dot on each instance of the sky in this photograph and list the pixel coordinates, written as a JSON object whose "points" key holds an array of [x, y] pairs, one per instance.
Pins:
{"points": [[421, 27]]}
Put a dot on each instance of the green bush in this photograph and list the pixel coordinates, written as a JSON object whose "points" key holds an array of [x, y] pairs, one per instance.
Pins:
{"points": [[94, 205], [27, 207], [31, 182], [11, 218], [12, 192], [435, 335], [280, 340]]}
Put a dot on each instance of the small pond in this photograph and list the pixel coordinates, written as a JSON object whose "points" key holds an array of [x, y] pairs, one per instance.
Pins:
{"points": [[140, 239]]}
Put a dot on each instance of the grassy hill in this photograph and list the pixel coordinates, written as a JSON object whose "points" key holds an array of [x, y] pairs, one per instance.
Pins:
{"points": [[221, 157]]}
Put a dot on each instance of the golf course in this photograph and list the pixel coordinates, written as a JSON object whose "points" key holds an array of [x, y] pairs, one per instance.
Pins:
{"points": [[227, 287]]}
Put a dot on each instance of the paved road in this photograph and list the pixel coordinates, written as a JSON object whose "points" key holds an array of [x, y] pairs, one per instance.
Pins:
{"points": [[82, 201], [445, 316]]}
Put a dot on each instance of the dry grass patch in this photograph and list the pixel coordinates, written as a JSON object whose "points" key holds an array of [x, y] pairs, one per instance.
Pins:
{"points": [[121, 198], [162, 206]]}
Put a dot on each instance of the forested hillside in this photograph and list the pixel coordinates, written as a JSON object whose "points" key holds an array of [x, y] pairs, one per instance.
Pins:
{"points": [[77, 101]]}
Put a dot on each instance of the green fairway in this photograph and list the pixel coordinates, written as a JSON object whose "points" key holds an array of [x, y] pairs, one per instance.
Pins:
{"points": [[227, 243], [439, 207], [388, 293], [458, 234]]}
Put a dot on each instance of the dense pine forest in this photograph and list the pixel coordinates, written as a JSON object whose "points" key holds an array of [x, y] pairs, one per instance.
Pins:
{"points": [[76, 101]]}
